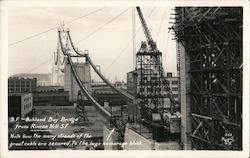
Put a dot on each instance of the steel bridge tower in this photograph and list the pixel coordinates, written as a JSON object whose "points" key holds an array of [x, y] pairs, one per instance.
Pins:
{"points": [[211, 76]]}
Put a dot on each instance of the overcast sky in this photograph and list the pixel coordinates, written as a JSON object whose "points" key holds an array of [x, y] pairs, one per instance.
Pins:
{"points": [[105, 47]]}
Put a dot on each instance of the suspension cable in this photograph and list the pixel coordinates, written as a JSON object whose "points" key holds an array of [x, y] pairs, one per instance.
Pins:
{"points": [[85, 37], [161, 24], [53, 28], [45, 62], [99, 28], [126, 47]]}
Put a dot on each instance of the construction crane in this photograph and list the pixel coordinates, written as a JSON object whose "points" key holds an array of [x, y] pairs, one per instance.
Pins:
{"points": [[149, 38], [153, 49], [151, 87]]}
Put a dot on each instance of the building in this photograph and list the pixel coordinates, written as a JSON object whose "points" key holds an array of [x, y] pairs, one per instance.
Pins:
{"points": [[70, 84], [133, 78], [121, 85], [105, 94], [131, 82], [20, 84], [49, 88], [54, 98], [19, 104], [174, 86], [42, 79]]}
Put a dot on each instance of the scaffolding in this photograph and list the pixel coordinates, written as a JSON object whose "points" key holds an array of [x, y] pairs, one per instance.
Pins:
{"points": [[149, 82], [212, 38], [80, 111]]}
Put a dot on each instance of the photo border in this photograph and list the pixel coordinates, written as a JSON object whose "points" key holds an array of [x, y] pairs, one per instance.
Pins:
{"points": [[5, 153]]}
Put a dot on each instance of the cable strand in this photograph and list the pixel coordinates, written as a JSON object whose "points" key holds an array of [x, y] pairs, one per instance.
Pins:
{"points": [[53, 28], [159, 30], [123, 50], [99, 28]]}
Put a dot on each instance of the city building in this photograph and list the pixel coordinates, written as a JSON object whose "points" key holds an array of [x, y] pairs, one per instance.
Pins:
{"points": [[19, 104], [145, 87], [104, 94], [54, 98], [174, 86], [120, 85], [42, 79], [20, 85], [131, 82], [133, 78], [49, 88]]}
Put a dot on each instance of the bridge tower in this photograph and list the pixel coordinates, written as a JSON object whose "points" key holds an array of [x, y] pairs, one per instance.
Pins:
{"points": [[70, 84], [65, 47]]}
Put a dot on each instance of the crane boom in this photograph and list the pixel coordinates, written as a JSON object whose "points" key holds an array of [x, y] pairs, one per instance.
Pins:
{"points": [[149, 38]]}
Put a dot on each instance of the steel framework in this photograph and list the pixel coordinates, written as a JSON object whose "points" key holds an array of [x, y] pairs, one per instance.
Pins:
{"points": [[149, 82], [80, 111], [212, 37]]}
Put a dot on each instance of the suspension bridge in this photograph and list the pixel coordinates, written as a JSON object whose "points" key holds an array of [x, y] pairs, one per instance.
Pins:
{"points": [[209, 67], [150, 56]]}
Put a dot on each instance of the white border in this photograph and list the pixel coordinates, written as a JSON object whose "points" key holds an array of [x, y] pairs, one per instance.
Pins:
{"points": [[68, 153]]}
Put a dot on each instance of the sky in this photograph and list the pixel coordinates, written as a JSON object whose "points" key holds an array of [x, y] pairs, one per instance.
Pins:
{"points": [[111, 47]]}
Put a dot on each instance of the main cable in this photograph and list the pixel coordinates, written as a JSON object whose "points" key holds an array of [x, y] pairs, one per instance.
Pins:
{"points": [[48, 60], [99, 28], [123, 50], [53, 28], [161, 24], [82, 39]]}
